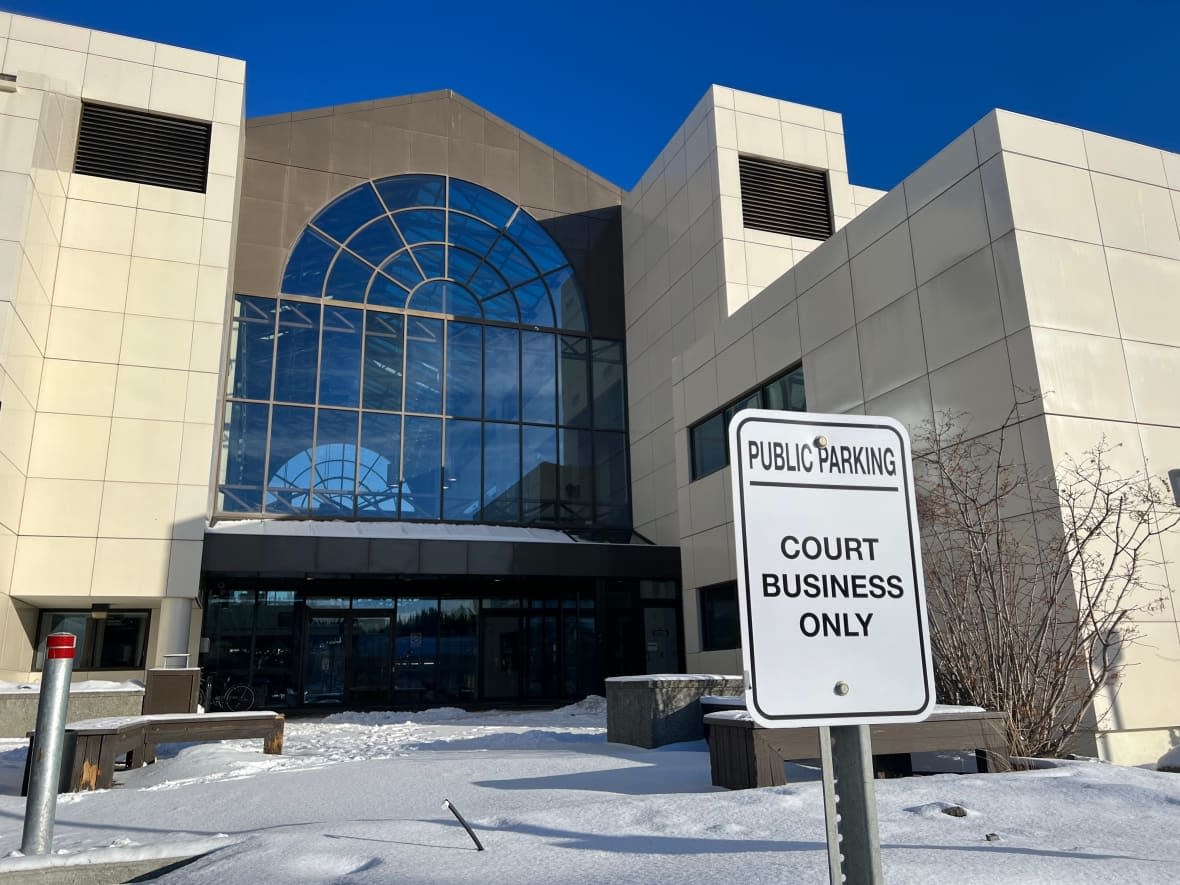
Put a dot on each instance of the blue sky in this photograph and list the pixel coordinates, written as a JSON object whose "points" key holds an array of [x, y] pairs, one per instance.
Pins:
{"points": [[608, 82]]}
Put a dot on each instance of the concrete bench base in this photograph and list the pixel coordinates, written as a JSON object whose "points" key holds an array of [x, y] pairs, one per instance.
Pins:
{"points": [[650, 711], [744, 755], [101, 742]]}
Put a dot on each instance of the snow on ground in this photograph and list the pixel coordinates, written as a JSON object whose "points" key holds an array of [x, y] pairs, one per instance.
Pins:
{"points": [[359, 795]]}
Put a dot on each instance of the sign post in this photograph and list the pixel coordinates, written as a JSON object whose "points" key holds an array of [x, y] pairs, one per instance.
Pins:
{"points": [[833, 608]]}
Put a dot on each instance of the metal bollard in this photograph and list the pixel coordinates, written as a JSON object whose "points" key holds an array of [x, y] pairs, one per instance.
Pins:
{"points": [[45, 771]]}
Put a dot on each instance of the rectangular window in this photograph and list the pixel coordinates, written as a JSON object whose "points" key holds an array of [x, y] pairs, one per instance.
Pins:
{"points": [[115, 642], [785, 199], [708, 438], [719, 617]]}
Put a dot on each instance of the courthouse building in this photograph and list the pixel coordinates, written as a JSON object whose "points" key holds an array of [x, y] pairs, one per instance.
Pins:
{"points": [[390, 404]]}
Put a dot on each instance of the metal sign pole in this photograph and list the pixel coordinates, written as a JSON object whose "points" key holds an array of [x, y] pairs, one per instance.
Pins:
{"points": [[45, 771], [850, 805]]}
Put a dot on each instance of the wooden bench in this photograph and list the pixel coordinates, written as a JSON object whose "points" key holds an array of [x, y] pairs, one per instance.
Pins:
{"points": [[100, 742], [744, 755]]}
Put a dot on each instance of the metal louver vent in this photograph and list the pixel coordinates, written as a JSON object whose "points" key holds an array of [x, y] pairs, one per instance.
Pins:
{"points": [[785, 199], [141, 147]]}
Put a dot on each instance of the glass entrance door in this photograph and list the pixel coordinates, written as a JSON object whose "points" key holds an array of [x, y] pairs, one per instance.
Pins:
{"points": [[500, 655], [348, 660], [325, 660], [662, 639]]}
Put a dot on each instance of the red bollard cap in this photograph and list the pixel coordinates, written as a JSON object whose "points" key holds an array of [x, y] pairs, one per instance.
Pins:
{"points": [[61, 645]]}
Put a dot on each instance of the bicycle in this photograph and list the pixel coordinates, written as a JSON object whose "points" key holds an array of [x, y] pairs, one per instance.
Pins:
{"points": [[234, 697]]}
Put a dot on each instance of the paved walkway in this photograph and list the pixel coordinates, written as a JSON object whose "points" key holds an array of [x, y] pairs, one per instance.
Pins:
{"points": [[97, 873]]}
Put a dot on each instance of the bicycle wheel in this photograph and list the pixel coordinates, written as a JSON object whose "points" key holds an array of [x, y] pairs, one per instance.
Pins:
{"points": [[237, 698]]}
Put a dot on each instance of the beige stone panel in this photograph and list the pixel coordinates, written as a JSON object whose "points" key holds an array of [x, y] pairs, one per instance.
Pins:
{"points": [[227, 102], [891, 347], [1040, 138], [173, 201], [1083, 375], [72, 387], [877, 220], [949, 228], [735, 368], [100, 227], [201, 399], [91, 280], [118, 46], [64, 67], [61, 507], [69, 446], [777, 344], [1153, 370], [1151, 662], [103, 190], [167, 236], [944, 169], [221, 197], [764, 264], [232, 69], [1135, 747], [882, 272], [713, 556], [216, 243], [223, 149], [707, 500], [977, 386], [144, 451], [832, 375], [186, 95], [191, 516], [825, 310], [1125, 159], [12, 492], [206, 347], [48, 33], [162, 288], [17, 424], [184, 569], [822, 260], [700, 392], [137, 510], [1147, 293], [52, 566], [804, 145], [759, 136], [1136, 216], [190, 61], [910, 404], [126, 567], [22, 358], [156, 342], [196, 458], [1065, 285], [1051, 198], [116, 81], [150, 393], [212, 295], [961, 309]]}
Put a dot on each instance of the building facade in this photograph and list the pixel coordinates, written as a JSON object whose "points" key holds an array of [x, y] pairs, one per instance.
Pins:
{"points": [[390, 404]]}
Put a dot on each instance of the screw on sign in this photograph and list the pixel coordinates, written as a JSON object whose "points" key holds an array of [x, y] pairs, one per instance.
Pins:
{"points": [[45, 773]]}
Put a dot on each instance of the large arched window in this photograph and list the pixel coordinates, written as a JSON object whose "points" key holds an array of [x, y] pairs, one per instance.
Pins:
{"points": [[427, 358]]}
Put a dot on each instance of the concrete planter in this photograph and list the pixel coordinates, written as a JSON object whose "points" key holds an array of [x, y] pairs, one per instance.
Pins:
{"points": [[18, 708], [650, 711]]}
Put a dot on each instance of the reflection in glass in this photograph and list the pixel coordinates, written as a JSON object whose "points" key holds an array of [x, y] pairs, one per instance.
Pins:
{"points": [[539, 370], [610, 398], [348, 279], [335, 464], [423, 468], [340, 357], [308, 265], [415, 651], [424, 362], [376, 242], [243, 453], [289, 485], [461, 473], [610, 478], [383, 361], [574, 382], [501, 472], [457, 650], [577, 475], [539, 474], [464, 370], [298, 345], [379, 473], [251, 350], [501, 374], [347, 213]]}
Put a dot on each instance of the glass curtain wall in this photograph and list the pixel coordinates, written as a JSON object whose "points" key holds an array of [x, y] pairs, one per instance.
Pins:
{"points": [[427, 359]]}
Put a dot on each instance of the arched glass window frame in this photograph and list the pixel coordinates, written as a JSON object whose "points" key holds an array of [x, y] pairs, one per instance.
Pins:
{"points": [[528, 271]]}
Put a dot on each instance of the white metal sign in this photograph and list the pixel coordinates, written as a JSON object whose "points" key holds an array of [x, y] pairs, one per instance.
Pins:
{"points": [[833, 609]]}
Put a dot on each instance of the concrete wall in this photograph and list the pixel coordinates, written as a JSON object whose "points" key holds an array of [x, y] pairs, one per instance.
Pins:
{"points": [[1023, 257], [114, 299]]}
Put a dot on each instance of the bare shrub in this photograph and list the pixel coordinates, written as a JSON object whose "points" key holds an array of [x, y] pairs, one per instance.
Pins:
{"points": [[1034, 579]]}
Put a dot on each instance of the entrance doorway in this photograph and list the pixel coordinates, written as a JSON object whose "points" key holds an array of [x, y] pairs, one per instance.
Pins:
{"points": [[347, 659]]}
